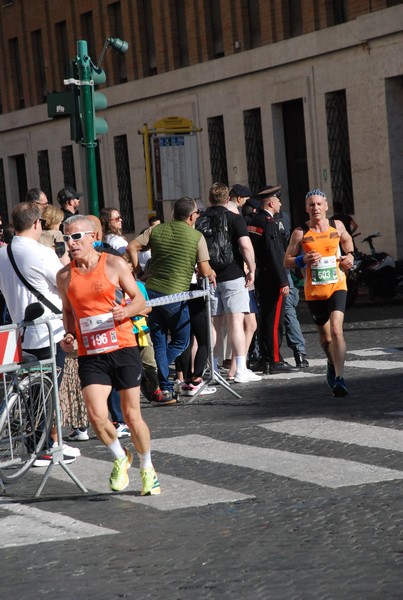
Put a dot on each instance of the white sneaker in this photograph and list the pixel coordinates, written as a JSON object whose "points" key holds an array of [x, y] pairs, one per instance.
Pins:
{"points": [[246, 376], [209, 389], [71, 451], [122, 430], [78, 435]]}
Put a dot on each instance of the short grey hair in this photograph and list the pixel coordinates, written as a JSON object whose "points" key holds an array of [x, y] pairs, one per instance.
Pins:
{"points": [[88, 224]]}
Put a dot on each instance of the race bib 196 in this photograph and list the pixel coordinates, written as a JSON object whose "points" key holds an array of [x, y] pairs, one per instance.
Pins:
{"points": [[325, 271], [99, 333]]}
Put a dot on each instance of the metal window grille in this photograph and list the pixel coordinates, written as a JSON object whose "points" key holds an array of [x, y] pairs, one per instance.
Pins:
{"points": [[339, 150], [44, 173], [3, 197], [252, 123], [124, 183], [218, 155], [69, 175]]}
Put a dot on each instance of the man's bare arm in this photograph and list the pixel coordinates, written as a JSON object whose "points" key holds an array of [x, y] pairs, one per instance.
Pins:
{"points": [[62, 279], [293, 249], [126, 281]]}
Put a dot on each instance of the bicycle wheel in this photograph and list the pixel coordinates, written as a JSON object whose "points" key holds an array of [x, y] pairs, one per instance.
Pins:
{"points": [[25, 423]]}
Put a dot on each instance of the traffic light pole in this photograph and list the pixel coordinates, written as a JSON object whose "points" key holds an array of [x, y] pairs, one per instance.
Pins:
{"points": [[89, 143]]}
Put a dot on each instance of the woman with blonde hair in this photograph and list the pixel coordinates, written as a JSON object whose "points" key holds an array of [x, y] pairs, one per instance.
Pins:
{"points": [[51, 236]]}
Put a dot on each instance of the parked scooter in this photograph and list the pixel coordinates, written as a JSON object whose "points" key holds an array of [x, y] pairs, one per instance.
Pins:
{"points": [[376, 272]]}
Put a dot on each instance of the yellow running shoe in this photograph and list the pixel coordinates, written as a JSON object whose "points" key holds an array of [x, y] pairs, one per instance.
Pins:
{"points": [[119, 479], [151, 485]]}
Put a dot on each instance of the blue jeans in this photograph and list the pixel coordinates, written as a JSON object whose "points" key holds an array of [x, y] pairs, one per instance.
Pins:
{"points": [[169, 320], [114, 407], [293, 333]]}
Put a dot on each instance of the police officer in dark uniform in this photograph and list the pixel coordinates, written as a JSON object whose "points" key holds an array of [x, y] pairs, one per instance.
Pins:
{"points": [[271, 284]]}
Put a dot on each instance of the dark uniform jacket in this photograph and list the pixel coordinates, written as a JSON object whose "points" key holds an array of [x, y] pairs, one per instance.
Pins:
{"points": [[269, 249]]}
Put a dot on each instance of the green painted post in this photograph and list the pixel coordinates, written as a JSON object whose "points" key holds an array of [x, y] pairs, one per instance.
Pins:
{"points": [[89, 143]]}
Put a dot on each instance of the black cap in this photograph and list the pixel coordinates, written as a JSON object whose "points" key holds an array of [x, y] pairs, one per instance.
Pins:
{"points": [[68, 193], [253, 202], [241, 191], [269, 190]]}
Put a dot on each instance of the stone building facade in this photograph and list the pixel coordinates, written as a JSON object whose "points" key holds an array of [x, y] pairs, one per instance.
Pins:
{"points": [[308, 93]]}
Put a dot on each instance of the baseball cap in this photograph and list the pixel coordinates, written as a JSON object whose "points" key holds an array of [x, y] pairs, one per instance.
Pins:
{"points": [[240, 190], [68, 193], [269, 190]]}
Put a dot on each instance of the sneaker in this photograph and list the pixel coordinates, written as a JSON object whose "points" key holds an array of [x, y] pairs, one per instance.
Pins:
{"points": [[339, 389], [330, 375], [45, 459], [70, 451], [165, 399], [178, 386], [209, 389], [191, 389], [157, 396], [80, 434], [119, 479], [246, 376], [122, 430], [151, 485]]}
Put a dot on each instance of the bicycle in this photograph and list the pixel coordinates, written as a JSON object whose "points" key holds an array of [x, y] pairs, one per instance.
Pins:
{"points": [[26, 408]]}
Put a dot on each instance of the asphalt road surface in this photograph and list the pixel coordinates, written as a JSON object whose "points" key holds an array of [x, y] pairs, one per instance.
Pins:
{"points": [[286, 493]]}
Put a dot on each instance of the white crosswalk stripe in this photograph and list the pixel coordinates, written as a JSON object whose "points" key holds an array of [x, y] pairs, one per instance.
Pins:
{"points": [[28, 525], [364, 363], [178, 492], [324, 471], [340, 431]]}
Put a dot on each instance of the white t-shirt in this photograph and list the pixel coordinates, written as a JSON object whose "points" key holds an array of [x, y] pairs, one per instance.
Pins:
{"points": [[144, 257], [117, 242], [39, 265]]}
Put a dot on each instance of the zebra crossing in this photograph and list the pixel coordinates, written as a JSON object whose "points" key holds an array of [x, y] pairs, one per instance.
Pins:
{"points": [[180, 492], [373, 359]]}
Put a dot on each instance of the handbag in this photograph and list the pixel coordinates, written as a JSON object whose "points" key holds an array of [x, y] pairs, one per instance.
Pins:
{"points": [[30, 287]]}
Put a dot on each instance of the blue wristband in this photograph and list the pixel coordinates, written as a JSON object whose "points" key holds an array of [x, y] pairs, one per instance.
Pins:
{"points": [[299, 261]]}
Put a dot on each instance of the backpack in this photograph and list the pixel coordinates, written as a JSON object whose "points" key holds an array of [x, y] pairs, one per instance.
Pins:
{"points": [[214, 226]]}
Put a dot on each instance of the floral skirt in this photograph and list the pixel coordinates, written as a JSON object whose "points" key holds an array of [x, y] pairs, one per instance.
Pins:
{"points": [[72, 406]]}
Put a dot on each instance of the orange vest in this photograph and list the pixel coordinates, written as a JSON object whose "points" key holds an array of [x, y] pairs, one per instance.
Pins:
{"points": [[92, 296], [321, 281]]}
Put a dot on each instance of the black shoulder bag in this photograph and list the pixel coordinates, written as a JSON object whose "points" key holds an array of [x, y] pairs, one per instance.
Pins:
{"points": [[35, 292]]}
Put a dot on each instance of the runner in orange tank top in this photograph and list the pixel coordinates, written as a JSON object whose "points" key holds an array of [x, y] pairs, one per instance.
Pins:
{"points": [[315, 248], [92, 288]]}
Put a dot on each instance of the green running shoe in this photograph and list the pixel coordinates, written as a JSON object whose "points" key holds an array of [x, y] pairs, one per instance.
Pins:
{"points": [[151, 485], [119, 479]]}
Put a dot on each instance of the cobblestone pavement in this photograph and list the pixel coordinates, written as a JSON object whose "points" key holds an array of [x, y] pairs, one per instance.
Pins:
{"points": [[286, 493]]}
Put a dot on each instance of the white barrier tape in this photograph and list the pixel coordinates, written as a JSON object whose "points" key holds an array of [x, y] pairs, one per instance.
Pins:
{"points": [[180, 297]]}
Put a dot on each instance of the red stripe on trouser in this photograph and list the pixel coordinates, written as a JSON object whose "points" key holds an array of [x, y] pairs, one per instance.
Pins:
{"points": [[276, 347]]}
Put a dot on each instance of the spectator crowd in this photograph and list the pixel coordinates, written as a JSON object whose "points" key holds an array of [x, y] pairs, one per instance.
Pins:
{"points": [[110, 344]]}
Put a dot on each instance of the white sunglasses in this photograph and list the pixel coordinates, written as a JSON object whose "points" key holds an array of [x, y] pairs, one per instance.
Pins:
{"points": [[75, 236]]}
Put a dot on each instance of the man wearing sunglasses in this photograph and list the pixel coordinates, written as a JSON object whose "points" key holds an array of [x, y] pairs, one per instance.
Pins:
{"points": [[93, 287], [38, 197], [69, 200]]}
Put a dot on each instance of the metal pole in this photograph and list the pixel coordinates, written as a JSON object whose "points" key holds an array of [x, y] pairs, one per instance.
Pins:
{"points": [[89, 143]]}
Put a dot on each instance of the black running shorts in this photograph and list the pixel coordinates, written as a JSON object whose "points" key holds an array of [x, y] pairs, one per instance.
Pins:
{"points": [[122, 369], [321, 309]]}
